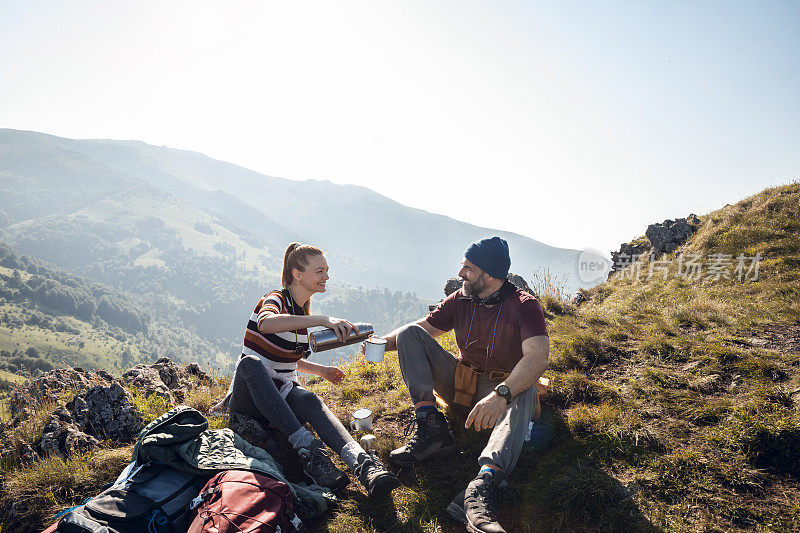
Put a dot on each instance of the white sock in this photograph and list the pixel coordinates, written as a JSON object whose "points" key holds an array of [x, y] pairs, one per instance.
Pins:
{"points": [[302, 438], [351, 454]]}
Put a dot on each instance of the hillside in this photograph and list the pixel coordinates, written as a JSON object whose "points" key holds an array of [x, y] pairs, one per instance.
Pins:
{"points": [[51, 317], [674, 403], [373, 242], [198, 261]]}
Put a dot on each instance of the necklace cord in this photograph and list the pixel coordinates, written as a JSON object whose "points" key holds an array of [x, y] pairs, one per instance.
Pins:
{"points": [[489, 352]]}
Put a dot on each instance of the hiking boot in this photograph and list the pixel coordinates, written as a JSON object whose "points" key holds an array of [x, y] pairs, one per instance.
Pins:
{"points": [[480, 503], [378, 481], [456, 508], [319, 468], [430, 438]]}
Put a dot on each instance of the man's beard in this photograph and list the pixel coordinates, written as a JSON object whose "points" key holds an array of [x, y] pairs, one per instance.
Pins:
{"points": [[474, 288]]}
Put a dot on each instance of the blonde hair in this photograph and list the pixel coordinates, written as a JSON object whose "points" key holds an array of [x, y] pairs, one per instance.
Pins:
{"points": [[296, 257]]}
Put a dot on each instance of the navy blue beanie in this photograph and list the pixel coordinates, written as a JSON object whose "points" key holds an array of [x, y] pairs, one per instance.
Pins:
{"points": [[491, 256]]}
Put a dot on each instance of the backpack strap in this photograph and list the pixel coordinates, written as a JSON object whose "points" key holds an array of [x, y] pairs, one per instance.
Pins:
{"points": [[81, 523]]}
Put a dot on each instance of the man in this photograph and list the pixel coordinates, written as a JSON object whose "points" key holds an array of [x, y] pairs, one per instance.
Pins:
{"points": [[504, 346]]}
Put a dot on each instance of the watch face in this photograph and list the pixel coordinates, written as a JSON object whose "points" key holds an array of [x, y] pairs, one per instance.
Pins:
{"points": [[503, 390]]}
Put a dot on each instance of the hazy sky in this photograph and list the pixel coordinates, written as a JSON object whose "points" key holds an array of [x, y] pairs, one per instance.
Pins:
{"points": [[574, 123]]}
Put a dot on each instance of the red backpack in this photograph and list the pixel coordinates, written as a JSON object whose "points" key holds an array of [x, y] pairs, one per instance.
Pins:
{"points": [[241, 501]]}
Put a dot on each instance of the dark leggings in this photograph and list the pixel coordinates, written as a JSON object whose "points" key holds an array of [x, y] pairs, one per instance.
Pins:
{"points": [[255, 394]]}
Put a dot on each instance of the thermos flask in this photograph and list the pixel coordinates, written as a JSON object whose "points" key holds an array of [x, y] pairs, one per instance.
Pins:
{"points": [[326, 339]]}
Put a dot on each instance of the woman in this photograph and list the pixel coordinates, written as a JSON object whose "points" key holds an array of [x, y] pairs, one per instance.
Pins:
{"points": [[265, 384]]}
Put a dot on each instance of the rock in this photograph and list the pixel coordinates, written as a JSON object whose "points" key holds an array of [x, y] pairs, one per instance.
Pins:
{"points": [[106, 413], [452, 285], [579, 299], [50, 385], [149, 380], [266, 438], [167, 379], [194, 370], [626, 255], [520, 283], [670, 234], [755, 341], [60, 438]]}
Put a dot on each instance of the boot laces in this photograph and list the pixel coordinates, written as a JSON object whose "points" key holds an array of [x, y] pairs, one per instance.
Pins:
{"points": [[319, 460], [415, 428], [487, 494]]}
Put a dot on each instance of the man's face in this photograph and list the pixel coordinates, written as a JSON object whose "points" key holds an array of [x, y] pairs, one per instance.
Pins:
{"points": [[473, 277]]}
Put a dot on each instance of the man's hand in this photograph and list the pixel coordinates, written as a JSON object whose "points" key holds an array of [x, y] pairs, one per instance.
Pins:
{"points": [[486, 412], [332, 374]]}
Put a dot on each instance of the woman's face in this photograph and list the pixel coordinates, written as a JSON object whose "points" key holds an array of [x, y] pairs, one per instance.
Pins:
{"points": [[315, 275]]}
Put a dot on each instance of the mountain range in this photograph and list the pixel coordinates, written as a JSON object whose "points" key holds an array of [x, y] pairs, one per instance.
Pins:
{"points": [[196, 241]]}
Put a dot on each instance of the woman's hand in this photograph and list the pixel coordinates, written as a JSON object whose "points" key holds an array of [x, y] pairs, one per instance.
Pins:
{"points": [[332, 374], [341, 327]]}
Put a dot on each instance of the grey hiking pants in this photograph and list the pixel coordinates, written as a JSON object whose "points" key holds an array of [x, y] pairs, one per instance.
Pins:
{"points": [[255, 394], [426, 367]]}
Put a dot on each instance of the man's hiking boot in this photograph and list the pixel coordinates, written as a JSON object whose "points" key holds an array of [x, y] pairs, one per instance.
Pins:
{"points": [[318, 467], [378, 481], [480, 504], [456, 508], [430, 438]]}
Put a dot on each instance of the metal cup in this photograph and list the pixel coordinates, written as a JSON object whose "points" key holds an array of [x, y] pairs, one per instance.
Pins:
{"points": [[374, 349], [362, 420]]}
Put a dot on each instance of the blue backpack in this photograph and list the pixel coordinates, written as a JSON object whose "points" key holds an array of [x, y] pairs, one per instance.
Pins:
{"points": [[153, 498]]}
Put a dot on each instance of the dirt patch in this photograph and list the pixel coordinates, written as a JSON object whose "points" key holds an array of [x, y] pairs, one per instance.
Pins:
{"points": [[784, 338]]}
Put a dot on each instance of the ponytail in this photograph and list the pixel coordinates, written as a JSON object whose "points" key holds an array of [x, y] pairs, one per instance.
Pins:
{"points": [[296, 257]]}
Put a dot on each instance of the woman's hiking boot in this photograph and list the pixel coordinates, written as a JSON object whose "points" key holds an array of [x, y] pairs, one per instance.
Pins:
{"points": [[480, 503], [431, 437], [318, 467], [378, 481]]}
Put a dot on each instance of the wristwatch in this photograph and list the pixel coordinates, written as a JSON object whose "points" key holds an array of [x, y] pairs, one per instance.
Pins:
{"points": [[504, 391]]}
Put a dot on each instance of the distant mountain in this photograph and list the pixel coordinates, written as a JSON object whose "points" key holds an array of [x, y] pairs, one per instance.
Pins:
{"points": [[372, 240], [195, 241]]}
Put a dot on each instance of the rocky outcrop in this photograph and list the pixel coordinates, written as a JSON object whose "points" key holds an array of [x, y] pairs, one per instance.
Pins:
{"points": [[99, 409], [668, 235], [100, 413], [626, 255], [520, 283], [453, 284], [664, 237], [167, 380], [50, 385], [61, 436], [106, 413]]}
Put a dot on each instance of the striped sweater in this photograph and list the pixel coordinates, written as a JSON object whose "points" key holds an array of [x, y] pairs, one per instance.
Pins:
{"points": [[277, 348], [276, 351]]}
